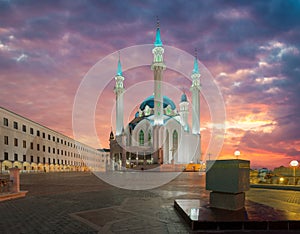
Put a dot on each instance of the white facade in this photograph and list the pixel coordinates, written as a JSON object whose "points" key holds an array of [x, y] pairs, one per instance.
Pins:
{"points": [[32, 148]]}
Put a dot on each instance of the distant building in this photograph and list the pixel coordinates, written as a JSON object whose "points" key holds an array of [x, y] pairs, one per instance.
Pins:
{"points": [[35, 148], [286, 171]]}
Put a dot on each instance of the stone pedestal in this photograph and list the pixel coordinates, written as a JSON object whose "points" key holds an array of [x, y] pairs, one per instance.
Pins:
{"points": [[227, 201], [228, 180], [15, 178]]}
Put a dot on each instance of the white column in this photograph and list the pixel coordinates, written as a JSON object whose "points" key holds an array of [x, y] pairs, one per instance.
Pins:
{"points": [[158, 67], [119, 113], [119, 90], [196, 111]]}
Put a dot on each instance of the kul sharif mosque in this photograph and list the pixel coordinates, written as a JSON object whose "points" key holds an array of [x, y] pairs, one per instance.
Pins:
{"points": [[159, 133]]}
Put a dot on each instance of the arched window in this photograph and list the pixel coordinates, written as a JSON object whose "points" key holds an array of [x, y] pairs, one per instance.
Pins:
{"points": [[141, 137], [175, 141]]}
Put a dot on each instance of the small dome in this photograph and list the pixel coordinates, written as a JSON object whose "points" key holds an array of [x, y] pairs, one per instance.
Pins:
{"points": [[183, 98], [149, 101]]}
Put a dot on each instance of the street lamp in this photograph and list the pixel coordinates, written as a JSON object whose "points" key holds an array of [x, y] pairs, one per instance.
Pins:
{"points": [[294, 164], [237, 153]]}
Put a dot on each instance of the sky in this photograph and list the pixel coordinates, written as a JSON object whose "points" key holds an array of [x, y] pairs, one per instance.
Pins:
{"points": [[251, 48]]}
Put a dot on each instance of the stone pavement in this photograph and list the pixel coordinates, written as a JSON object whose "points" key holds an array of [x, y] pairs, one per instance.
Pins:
{"points": [[82, 203]]}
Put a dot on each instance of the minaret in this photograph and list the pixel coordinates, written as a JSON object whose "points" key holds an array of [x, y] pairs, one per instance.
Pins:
{"points": [[119, 90], [158, 67], [195, 89], [184, 112]]}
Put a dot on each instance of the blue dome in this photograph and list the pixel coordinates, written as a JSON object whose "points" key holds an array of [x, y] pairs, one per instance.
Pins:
{"points": [[183, 98], [150, 102]]}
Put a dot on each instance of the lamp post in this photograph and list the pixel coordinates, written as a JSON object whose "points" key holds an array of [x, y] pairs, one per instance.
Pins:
{"points": [[237, 153], [209, 154], [294, 164]]}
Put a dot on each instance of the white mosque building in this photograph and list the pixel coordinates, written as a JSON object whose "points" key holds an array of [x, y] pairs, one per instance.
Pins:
{"points": [[159, 133]]}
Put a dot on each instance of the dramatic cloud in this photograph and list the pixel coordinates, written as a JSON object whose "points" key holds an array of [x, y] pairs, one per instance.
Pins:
{"points": [[252, 48]]}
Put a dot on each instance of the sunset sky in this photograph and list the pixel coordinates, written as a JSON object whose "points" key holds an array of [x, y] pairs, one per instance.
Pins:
{"points": [[251, 48]]}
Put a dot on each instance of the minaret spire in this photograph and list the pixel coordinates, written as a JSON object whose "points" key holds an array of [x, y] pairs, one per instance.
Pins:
{"points": [[158, 41], [196, 67], [195, 89], [119, 71], [119, 90], [158, 67]]}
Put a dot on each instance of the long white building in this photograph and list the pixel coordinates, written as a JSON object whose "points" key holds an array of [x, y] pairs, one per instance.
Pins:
{"points": [[32, 147]]}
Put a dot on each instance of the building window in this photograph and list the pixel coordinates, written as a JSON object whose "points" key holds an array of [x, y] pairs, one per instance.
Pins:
{"points": [[62, 152], [44, 135], [24, 158], [5, 140], [57, 140], [38, 159], [44, 148], [31, 158], [49, 160], [49, 137], [5, 122], [31, 145], [5, 156], [49, 149], [24, 144], [61, 141], [24, 128], [15, 142], [53, 151], [141, 137], [38, 147], [44, 160], [54, 161], [53, 138], [16, 157], [15, 125], [31, 131]]}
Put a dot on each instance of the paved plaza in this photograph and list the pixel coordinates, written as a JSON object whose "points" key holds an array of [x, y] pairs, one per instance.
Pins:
{"points": [[82, 203]]}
